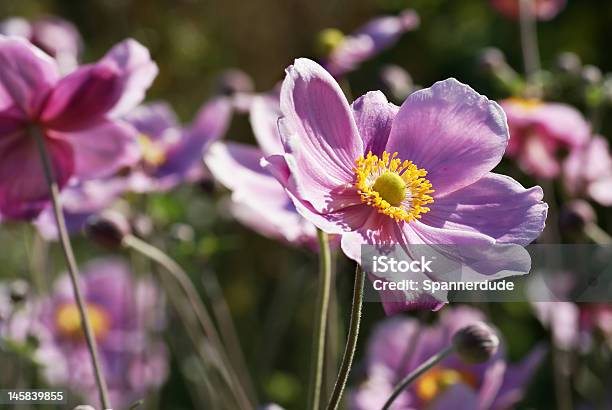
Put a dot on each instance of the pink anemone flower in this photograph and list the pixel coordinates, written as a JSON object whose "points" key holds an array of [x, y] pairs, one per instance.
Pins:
{"points": [[379, 174], [541, 133], [75, 115], [544, 9], [588, 171]]}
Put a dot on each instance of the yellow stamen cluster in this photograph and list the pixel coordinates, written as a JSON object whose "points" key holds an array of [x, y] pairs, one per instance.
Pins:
{"points": [[68, 320], [152, 153], [525, 103], [396, 188], [437, 380]]}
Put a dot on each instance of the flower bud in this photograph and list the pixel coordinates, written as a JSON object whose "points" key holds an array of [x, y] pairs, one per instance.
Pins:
{"points": [[492, 59], [84, 407], [476, 343], [19, 290], [107, 229], [271, 406], [575, 215], [396, 82], [233, 81], [569, 63], [591, 74]]}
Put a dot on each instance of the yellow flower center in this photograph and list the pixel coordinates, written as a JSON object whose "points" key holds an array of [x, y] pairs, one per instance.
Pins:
{"points": [[525, 103], [394, 187], [437, 380], [328, 40], [152, 153], [68, 320]]}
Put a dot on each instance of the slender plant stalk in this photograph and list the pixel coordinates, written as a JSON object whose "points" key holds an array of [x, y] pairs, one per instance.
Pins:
{"points": [[529, 41], [203, 317], [416, 373], [318, 349], [227, 328], [597, 235], [351, 341], [72, 267]]}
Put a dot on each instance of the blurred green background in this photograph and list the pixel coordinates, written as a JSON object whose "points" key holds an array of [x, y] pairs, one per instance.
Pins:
{"points": [[270, 287]]}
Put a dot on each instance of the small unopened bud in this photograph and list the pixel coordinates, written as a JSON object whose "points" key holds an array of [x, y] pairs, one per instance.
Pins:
{"points": [[19, 290], [575, 215], [328, 40], [396, 81], [569, 63], [233, 81], [492, 59], [476, 343], [271, 406], [591, 74], [142, 226], [107, 229], [84, 407]]}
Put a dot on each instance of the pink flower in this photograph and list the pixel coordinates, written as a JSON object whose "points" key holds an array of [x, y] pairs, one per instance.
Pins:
{"points": [[588, 171], [379, 174], [380, 33], [540, 132], [258, 200], [75, 115], [400, 344], [544, 9], [55, 36]]}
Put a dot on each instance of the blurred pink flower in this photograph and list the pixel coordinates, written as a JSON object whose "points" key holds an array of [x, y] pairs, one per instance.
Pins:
{"points": [[540, 133], [356, 171], [258, 200], [380, 33], [588, 171], [53, 35], [399, 345], [124, 313], [544, 9], [172, 154], [76, 116]]}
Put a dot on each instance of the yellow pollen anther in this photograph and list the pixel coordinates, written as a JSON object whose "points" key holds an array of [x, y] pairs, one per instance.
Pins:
{"points": [[152, 153], [394, 187], [437, 380], [68, 320], [525, 103]]}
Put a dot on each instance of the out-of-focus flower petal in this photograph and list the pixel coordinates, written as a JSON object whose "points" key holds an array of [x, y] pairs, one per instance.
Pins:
{"points": [[369, 40], [258, 200], [374, 116], [102, 150], [544, 9], [458, 396], [23, 187], [137, 73], [153, 120], [454, 133], [26, 75], [83, 97], [264, 115], [210, 124], [319, 131], [495, 205]]}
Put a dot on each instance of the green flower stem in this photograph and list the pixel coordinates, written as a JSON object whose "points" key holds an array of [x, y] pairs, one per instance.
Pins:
{"points": [[416, 373], [73, 270], [351, 342], [203, 317], [318, 349], [529, 43]]}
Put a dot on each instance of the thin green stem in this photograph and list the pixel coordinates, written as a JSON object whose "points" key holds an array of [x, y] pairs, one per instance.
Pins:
{"points": [[529, 43], [202, 315], [597, 234], [416, 373], [318, 349], [72, 266], [351, 342]]}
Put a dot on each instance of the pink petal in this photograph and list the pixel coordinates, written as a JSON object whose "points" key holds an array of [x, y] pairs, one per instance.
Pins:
{"points": [[102, 150], [137, 73], [374, 116], [264, 115], [83, 98], [319, 131], [496, 206], [452, 132], [26, 75], [23, 187]]}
